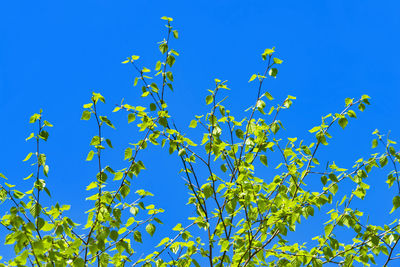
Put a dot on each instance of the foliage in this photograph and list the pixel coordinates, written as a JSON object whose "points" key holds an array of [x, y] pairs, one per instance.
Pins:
{"points": [[242, 218]]}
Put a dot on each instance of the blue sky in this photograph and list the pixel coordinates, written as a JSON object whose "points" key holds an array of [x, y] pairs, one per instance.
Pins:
{"points": [[53, 54]]}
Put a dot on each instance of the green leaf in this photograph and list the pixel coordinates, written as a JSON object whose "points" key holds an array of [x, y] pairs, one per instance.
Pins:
{"points": [[348, 101], [44, 135], [78, 262], [273, 72], [268, 52], [269, 96], [315, 129], [128, 153], [374, 143], [351, 114], [101, 177], [36, 210], [137, 236], [175, 33], [163, 48], [328, 229], [158, 66], [317, 263], [167, 18], [193, 124], [86, 115], [264, 160], [30, 136], [253, 77], [134, 210], [97, 96], [90, 155], [333, 177], [150, 228], [239, 133], [275, 127], [48, 124], [396, 203], [34, 118], [125, 191], [131, 117], [109, 169], [29, 176], [95, 141], [324, 179], [333, 189], [106, 121], [177, 227], [46, 170], [343, 200], [28, 156], [260, 105], [209, 99], [114, 235], [163, 241], [91, 186], [359, 192], [154, 87], [42, 159], [196, 264], [118, 176], [108, 141], [174, 52], [16, 193], [89, 105], [47, 191], [277, 61], [343, 122], [182, 152], [383, 161], [363, 97], [213, 120], [170, 76], [223, 168], [170, 60], [145, 70], [207, 190], [225, 245]]}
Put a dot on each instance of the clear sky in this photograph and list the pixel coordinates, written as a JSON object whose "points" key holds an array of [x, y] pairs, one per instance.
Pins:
{"points": [[53, 54]]}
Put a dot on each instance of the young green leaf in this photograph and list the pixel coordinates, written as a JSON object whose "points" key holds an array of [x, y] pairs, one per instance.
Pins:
{"points": [[167, 18], [90, 155], [374, 143], [396, 203], [264, 160], [253, 77], [273, 72], [137, 236], [209, 99], [86, 115], [150, 228], [28, 156], [193, 124], [277, 61], [343, 122]]}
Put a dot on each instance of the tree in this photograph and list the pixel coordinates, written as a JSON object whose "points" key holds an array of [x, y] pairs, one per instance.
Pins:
{"points": [[242, 217]]}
